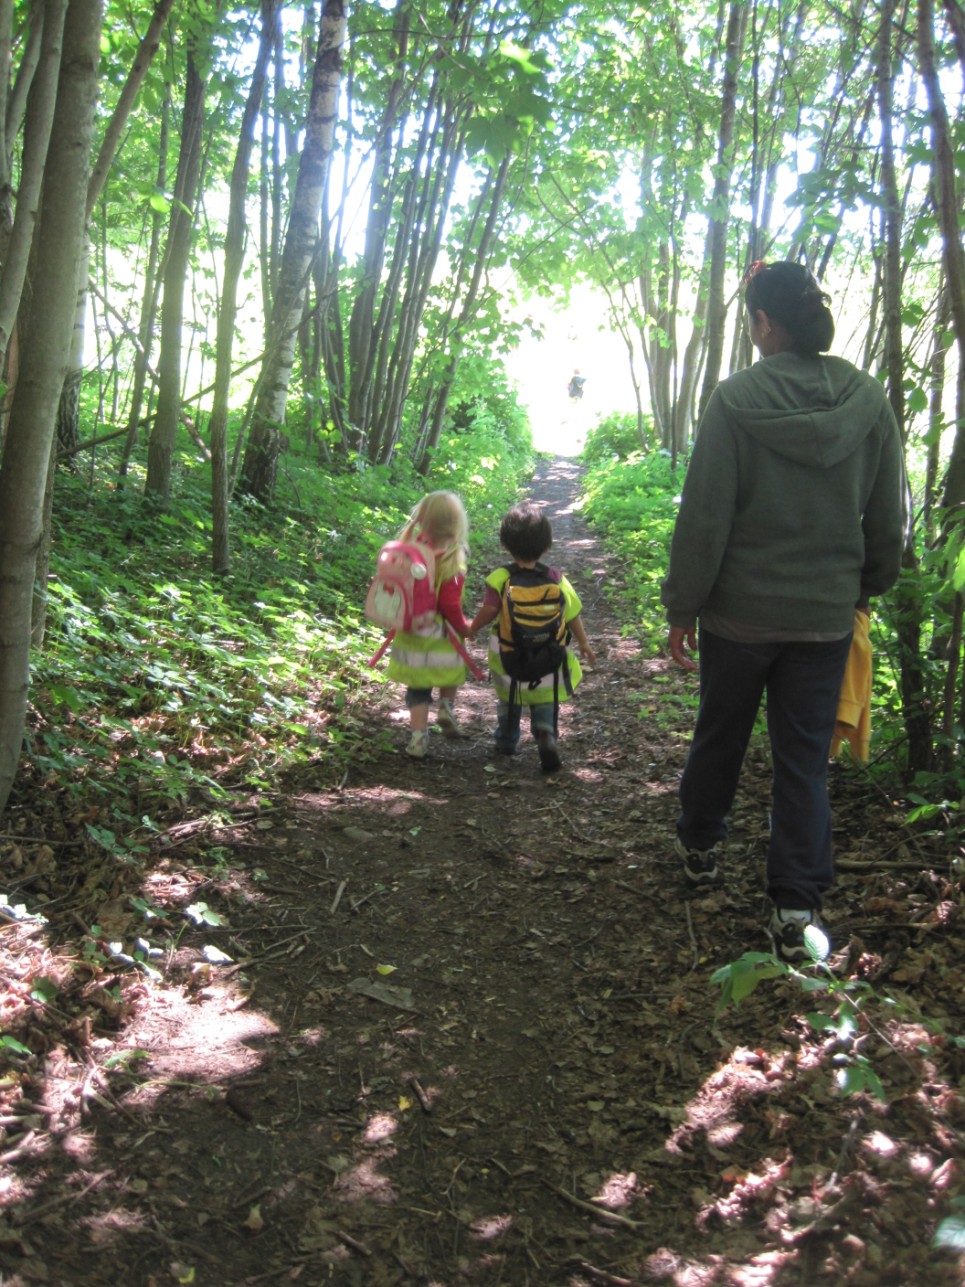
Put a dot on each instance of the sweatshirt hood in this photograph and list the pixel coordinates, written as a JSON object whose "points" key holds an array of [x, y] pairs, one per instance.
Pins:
{"points": [[813, 410]]}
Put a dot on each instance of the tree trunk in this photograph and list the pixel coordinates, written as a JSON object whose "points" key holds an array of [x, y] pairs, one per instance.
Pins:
{"points": [[909, 624], [478, 252], [164, 434], [233, 260], [150, 44], [716, 307], [948, 204], [937, 367], [362, 333], [68, 416], [46, 340], [260, 468], [14, 106], [149, 303], [40, 114]]}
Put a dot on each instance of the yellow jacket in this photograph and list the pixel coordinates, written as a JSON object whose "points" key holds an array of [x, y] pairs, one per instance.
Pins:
{"points": [[853, 723]]}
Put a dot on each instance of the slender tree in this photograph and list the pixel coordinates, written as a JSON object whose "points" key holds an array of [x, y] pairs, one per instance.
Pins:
{"points": [[233, 259], [260, 467], [168, 415], [717, 308], [45, 350]]}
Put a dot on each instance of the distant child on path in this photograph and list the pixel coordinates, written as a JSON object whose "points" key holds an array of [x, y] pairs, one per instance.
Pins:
{"points": [[526, 535], [429, 659]]}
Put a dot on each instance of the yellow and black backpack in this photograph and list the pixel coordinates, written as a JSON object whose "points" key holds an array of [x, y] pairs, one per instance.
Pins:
{"points": [[532, 630]]}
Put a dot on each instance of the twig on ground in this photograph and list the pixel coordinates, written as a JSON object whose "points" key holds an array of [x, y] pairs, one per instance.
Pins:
{"points": [[420, 1095], [36, 1213], [599, 1275], [601, 1213], [894, 864], [353, 1243], [42, 840], [30, 1143], [262, 956], [693, 936], [581, 835], [338, 896], [356, 903]]}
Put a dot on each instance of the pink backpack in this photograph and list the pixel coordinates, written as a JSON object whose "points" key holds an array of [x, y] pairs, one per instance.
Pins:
{"points": [[402, 595]]}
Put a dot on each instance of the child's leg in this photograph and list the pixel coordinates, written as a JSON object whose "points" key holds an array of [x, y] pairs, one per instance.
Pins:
{"points": [[507, 730], [446, 719], [542, 719], [418, 701], [542, 722]]}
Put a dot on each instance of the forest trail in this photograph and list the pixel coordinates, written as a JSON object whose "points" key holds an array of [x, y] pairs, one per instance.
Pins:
{"points": [[463, 1030]]}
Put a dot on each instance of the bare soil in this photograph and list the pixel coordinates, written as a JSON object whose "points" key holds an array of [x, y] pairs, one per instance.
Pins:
{"points": [[452, 1023]]}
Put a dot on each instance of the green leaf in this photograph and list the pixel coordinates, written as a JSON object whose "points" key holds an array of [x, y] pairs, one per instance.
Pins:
{"points": [[44, 990], [522, 57], [202, 914], [917, 399], [860, 1078], [817, 942], [12, 1044], [739, 979], [950, 1234]]}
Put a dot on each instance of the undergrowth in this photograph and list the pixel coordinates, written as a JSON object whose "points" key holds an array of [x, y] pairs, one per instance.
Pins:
{"points": [[631, 501], [159, 684]]}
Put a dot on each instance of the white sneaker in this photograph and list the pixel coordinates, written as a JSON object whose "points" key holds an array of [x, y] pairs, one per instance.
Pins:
{"points": [[701, 866], [418, 746], [798, 936], [446, 719]]}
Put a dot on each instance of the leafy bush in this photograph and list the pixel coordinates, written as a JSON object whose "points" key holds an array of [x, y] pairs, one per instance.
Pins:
{"points": [[614, 435], [633, 503]]}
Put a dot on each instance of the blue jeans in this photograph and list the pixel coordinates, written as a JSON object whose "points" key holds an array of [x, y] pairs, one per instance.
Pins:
{"points": [[802, 682], [542, 719]]}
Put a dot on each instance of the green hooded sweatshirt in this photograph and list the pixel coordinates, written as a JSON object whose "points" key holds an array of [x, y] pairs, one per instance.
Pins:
{"points": [[794, 507]]}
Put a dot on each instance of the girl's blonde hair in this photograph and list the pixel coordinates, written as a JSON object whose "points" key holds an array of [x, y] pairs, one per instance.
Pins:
{"points": [[439, 520]]}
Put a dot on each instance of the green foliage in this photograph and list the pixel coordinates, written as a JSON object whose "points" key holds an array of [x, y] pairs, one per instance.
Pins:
{"points": [[951, 1231], [632, 502], [614, 436], [924, 595], [853, 1017], [741, 977], [12, 1046]]}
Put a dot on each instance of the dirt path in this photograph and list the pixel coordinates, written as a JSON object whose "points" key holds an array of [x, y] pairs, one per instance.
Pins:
{"points": [[466, 1035]]}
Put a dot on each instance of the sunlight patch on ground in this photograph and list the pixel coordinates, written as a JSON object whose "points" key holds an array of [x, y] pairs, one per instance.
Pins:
{"points": [[363, 1182], [617, 1192], [486, 1228], [665, 1266], [380, 1127], [205, 1042]]}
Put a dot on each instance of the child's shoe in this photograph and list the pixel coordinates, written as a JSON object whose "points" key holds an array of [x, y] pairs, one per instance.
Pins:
{"points": [[549, 755], [446, 719], [418, 746]]}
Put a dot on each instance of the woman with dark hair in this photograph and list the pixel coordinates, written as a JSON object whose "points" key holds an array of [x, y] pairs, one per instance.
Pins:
{"points": [[793, 515]]}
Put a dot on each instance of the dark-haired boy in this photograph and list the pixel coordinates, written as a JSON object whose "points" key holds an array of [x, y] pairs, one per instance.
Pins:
{"points": [[527, 535]]}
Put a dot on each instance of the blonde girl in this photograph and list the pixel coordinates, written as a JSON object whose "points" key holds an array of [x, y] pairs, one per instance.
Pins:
{"points": [[429, 659]]}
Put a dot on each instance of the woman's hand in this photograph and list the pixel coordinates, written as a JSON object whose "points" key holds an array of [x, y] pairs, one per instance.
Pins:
{"points": [[680, 637]]}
